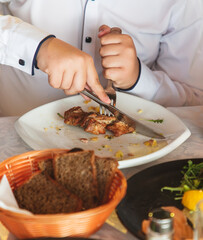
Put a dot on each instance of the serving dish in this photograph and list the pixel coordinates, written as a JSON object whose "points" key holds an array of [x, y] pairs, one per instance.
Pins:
{"points": [[144, 193], [42, 128]]}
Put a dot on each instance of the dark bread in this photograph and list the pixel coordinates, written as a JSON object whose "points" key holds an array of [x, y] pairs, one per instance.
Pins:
{"points": [[42, 195], [106, 168], [76, 171], [47, 167]]}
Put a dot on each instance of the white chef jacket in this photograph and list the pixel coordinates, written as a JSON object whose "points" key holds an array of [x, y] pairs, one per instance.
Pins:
{"points": [[167, 35]]}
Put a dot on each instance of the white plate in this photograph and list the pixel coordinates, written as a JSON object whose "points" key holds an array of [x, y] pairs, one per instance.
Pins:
{"points": [[42, 128]]}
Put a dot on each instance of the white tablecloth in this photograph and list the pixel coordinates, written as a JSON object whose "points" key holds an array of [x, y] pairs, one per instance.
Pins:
{"points": [[11, 144]]}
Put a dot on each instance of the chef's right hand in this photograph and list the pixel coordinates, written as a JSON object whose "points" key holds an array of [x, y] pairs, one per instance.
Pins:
{"points": [[69, 68]]}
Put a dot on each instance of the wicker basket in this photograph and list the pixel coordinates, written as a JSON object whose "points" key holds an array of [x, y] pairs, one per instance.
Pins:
{"points": [[81, 224]]}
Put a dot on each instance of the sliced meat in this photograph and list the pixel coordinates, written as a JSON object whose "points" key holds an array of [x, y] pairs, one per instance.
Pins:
{"points": [[95, 123], [119, 128], [92, 126], [74, 116]]}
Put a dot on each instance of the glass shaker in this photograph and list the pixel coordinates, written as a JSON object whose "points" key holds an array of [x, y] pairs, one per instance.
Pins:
{"points": [[161, 225]]}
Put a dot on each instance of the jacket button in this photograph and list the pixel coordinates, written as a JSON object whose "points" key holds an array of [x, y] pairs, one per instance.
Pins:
{"points": [[21, 62], [88, 39]]}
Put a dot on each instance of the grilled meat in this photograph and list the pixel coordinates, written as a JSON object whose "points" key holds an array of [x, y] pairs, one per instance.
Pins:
{"points": [[95, 123], [92, 126], [74, 116], [119, 128]]}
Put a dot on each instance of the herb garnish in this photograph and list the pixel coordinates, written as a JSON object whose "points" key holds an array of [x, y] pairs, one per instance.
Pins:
{"points": [[60, 115], [155, 120], [192, 179]]}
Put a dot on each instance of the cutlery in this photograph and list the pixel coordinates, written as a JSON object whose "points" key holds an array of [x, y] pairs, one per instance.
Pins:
{"points": [[121, 116], [58, 238], [111, 92]]}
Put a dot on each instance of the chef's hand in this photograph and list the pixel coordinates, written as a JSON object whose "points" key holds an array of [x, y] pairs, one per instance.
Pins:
{"points": [[119, 57], [69, 68]]}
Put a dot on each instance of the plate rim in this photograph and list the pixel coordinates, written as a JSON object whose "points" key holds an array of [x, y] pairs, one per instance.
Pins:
{"points": [[185, 134]]}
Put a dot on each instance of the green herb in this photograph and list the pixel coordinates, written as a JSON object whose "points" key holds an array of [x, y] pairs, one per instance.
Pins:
{"points": [[156, 120], [60, 115], [192, 179]]}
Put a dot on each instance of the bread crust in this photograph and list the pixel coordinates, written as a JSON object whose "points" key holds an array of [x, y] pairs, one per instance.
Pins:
{"points": [[77, 172], [106, 169], [40, 194], [77, 175]]}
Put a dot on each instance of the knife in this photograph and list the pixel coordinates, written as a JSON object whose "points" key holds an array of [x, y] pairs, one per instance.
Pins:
{"points": [[59, 238], [121, 116]]}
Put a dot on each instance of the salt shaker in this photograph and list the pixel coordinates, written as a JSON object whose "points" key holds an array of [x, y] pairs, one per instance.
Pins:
{"points": [[161, 225]]}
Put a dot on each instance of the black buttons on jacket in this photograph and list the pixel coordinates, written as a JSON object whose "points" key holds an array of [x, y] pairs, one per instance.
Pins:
{"points": [[88, 39], [21, 62]]}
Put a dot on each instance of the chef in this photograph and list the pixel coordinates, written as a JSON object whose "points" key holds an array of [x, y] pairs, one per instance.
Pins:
{"points": [[50, 49]]}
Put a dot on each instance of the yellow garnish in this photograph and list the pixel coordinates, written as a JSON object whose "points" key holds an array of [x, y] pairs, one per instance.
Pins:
{"points": [[94, 139], [109, 137], [191, 198], [58, 128], [45, 129], [106, 146], [119, 154], [87, 101], [140, 111], [151, 143], [95, 109], [134, 144]]}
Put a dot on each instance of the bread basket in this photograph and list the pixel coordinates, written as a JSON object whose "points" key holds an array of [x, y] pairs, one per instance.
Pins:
{"points": [[80, 224]]}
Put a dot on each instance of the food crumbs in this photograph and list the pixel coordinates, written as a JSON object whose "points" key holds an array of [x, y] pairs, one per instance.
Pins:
{"points": [[119, 154], [94, 139], [109, 137], [58, 128], [140, 111], [151, 143], [45, 129], [84, 140], [95, 109], [106, 146], [134, 144], [87, 101], [130, 155]]}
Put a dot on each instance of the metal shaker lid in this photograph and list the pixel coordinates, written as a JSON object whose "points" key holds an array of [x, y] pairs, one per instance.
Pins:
{"points": [[161, 221]]}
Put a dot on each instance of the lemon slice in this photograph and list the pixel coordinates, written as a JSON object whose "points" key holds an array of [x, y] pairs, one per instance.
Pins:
{"points": [[191, 198]]}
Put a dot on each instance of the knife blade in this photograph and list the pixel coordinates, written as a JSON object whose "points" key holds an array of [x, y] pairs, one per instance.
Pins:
{"points": [[121, 116], [59, 238]]}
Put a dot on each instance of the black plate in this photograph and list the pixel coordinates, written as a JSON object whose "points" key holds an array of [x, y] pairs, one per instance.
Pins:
{"points": [[144, 194]]}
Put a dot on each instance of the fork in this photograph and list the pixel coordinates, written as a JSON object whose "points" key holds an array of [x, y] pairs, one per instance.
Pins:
{"points": [[111, 92]]}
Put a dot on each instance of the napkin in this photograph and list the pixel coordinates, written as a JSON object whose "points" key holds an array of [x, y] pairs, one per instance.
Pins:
{"points": [[7, 198]]}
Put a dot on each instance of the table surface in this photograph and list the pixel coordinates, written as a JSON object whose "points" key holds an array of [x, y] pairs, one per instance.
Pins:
{"points": [[11, 144]]}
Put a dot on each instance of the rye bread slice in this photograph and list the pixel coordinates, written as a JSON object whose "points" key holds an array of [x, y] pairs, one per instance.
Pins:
{"points": [[47, 167], [106, 168], [77, 172], [42, 195]]}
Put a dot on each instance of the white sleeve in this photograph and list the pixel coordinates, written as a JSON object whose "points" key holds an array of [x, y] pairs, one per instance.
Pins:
{"points": [[176, 78], [18, 42]]}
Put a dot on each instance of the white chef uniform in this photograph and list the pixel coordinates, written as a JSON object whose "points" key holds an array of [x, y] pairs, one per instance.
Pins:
{"points": [[167, 35]]}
